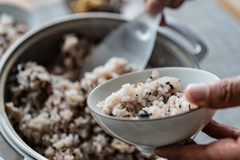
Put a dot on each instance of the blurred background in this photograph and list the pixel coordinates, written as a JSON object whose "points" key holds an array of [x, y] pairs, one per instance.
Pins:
{"points": [[216, 22]]}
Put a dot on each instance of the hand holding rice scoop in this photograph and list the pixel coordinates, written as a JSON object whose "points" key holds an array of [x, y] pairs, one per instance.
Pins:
{"points": [[158, 97]]}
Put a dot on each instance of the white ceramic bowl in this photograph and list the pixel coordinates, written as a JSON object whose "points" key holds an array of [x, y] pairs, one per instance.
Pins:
{"points": [[150, 133]]}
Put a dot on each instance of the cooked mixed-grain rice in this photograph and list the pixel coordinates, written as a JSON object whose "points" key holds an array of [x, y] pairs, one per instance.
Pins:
{"points": [[10, 31], [49, 111], [158, 97]]}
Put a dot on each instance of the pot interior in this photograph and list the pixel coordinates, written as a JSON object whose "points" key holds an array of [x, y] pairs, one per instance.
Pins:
{"points": [[47, 43]]}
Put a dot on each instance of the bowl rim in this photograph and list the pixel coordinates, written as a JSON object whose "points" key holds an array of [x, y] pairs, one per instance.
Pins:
{"points": [[150, 119]]}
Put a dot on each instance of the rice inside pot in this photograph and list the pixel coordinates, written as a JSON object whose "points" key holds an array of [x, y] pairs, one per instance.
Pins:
{"points": [[48, 107], [10, 31]]}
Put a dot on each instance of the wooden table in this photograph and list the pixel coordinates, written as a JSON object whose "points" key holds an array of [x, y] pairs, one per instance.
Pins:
{"points": [[232, 6]]}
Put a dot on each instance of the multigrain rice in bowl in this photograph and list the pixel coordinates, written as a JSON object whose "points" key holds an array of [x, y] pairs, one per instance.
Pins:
{"points": [[48, 107], [158, 97], [144, 133]]}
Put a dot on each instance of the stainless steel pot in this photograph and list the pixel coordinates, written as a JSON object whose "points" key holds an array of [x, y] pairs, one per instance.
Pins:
{"points": [[42, 45]]}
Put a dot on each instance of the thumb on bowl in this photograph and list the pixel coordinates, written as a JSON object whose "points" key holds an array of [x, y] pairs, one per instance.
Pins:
{"points": [[218, 94]]}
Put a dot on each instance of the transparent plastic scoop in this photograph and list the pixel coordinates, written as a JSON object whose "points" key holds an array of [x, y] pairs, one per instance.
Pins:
{"points": [[133, 41]]}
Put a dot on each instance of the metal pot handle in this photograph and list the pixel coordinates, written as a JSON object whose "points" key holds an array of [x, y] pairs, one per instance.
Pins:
{"points": [[200, 48]]}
